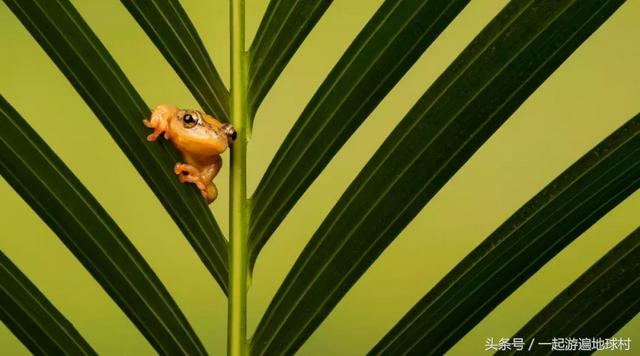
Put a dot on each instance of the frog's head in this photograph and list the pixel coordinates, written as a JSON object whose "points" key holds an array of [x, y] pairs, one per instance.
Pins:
{"points": [[197, 133]]}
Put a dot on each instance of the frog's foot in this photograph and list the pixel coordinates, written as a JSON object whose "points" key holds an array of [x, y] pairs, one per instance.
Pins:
{"points": [[159, 121], [210, 193], [189, 174]]}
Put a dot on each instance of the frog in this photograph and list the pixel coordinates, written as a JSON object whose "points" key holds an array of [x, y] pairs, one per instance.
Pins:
{"points": [[199, 138]]}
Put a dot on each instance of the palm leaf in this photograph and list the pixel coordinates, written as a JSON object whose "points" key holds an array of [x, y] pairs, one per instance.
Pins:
{"points": [[506, 62], [33, 319], [169, 27], [285, 25], [600, 302], [68, 40], [521, 245], [376, 60], [60, 199]]}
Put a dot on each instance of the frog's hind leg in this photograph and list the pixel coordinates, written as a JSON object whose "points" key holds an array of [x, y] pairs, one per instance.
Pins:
{"points": [[211, 170], [207, 175], [210, 193], [202, 178], [189, 174]]}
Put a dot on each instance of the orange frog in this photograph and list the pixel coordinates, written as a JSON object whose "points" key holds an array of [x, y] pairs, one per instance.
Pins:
{"points": [[199, 138]]}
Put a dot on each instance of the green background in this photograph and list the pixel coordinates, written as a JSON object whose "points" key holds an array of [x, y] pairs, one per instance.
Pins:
{"points": [[590, 95]]}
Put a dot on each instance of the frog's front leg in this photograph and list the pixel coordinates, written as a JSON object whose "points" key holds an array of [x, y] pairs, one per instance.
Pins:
{"points": [[159, 121]]}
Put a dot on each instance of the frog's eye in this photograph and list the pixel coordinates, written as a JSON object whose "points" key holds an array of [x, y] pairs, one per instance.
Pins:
{"points": [[188, 121], [230, 132]]}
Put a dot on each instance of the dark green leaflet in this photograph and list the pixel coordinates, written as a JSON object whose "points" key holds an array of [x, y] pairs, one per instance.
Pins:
{"points": [[597, 304], [69, 41], [284, 26], [33, 319], [521, 245], [169, 27], [506, 62], [60, 199], [398, 33]]}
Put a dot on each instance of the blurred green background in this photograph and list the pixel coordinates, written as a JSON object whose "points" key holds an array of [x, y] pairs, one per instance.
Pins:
{"points": [[591, 94]]}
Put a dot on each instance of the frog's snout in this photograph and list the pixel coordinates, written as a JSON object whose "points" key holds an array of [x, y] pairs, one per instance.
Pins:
{"points": [[230, 132]]}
